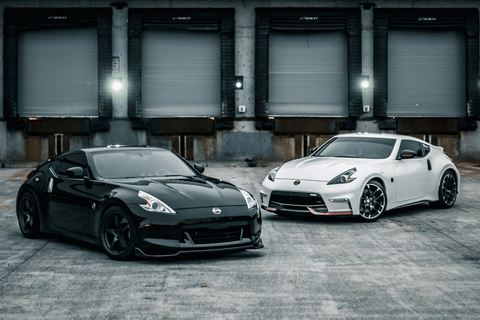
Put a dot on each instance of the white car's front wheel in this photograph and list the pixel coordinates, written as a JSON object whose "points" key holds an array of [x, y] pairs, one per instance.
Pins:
{"points": [[373, 201]]}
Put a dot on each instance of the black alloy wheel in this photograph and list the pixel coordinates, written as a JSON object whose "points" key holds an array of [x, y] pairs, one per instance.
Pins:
{"points": [[117, 234], [373, 201], [447, 191], [28, 217]]}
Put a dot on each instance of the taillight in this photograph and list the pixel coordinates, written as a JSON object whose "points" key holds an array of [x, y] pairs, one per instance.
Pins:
{"points": [[451, 159]]}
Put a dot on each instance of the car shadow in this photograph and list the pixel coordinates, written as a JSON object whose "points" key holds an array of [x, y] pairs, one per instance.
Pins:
{"points": [[73, 242], [325, 219], [408, 211], [195, 258], [187, 258]]}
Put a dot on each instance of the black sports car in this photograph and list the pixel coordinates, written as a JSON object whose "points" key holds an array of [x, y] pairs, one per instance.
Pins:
{"points": [[137, 199]]}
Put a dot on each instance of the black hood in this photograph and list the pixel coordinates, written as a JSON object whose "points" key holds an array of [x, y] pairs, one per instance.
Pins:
{"points": [[187, 192]]}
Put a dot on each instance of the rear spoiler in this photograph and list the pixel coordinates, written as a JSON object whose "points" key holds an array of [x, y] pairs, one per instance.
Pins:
{"points": [[442, 151]]}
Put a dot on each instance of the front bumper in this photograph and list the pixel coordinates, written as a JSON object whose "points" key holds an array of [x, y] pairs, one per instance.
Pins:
{"points": [[199, 230], [310, 198]]}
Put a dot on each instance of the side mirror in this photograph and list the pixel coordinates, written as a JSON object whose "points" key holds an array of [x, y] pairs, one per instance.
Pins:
{"points": [[313, 150], [75, 172], [407, 154], [200, 168]]}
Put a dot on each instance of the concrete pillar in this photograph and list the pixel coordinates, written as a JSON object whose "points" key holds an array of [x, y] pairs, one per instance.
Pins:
{"points": [[367, 57], [3, 125], [120, 126], [245, 57], [120, 50], [3, 143], [2, 9]]}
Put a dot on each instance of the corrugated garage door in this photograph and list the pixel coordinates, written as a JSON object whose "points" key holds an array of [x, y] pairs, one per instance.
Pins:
{"points": [[181, 74], [58, 73], [426, 73], [308, 74]]}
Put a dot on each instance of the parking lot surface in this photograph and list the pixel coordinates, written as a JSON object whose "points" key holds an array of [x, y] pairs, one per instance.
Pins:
{"points": [[413, 263]]}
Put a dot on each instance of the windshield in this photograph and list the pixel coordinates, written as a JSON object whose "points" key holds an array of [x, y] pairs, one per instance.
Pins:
{"points": [[357, 147], [140, 163]]}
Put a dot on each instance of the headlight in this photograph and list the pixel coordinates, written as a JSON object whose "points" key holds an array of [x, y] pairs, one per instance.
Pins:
{"points": [[345, 177], [251, 202], [271, 175], [153, 204]]}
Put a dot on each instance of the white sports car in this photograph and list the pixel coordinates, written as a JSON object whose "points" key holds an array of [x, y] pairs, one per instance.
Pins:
{"points": [[362, 175]]}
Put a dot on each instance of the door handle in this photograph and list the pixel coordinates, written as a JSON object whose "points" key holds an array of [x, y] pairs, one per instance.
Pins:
{"points": [[429, 165]]}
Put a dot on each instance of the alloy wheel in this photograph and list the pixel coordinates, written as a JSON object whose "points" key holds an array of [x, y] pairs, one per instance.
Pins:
{"points": [[372, 201], [28, 216], [449, 189], [117, 234], [27, 212]]}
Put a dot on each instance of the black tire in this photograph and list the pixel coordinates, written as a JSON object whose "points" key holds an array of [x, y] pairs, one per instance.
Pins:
{"points": [[373, 201], [447, 191], [28, 216], [117, 233]]}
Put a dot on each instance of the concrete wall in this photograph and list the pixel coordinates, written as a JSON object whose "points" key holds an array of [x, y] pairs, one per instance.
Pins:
{"points": [[243, 141], [469, 145], [3, 143]]}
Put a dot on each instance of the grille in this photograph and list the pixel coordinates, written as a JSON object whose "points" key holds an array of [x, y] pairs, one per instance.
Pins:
{"points": [[290, 201], [206, 236]]}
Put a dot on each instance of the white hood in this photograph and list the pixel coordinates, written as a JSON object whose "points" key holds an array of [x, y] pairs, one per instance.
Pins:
{"points": [[319, 169]]}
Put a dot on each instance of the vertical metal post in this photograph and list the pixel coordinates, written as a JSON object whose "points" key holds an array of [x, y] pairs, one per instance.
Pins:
{"points": [[58, 144], [182, 146]]}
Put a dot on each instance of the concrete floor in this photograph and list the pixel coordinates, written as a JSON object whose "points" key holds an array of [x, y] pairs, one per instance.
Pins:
{"points": [[413, 263]]}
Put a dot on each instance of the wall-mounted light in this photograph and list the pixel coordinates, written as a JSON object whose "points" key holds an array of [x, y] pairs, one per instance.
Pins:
{"points": [[238, 82], [116, 84], [365, 82]]}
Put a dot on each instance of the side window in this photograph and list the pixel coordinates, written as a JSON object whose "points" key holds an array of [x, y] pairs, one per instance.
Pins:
{"points": [[426, 149], [412, 146], [70, 161], [55, 165]]}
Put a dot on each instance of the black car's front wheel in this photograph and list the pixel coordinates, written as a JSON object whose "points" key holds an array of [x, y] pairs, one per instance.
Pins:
{"points": [[373, 201], [117, 234], [28, 216]]}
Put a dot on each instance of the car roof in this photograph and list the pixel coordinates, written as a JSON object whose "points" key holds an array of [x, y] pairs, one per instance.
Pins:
{"points": [[380, 135], [114, 148]]}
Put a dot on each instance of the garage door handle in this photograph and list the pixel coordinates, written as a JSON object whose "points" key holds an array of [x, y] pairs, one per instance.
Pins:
{"points": [[429, 165]]}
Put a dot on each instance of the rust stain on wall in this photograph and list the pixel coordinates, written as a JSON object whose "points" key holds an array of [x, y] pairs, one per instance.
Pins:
{"points": [[34, 148]]}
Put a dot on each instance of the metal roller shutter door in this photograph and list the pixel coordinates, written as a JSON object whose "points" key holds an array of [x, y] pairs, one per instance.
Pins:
{"points": [[181, 74], [58, 73], [308, 74], [426, 73]]}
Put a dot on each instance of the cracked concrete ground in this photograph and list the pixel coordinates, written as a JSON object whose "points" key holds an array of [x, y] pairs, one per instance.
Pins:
{"points": [[413, 263]]}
